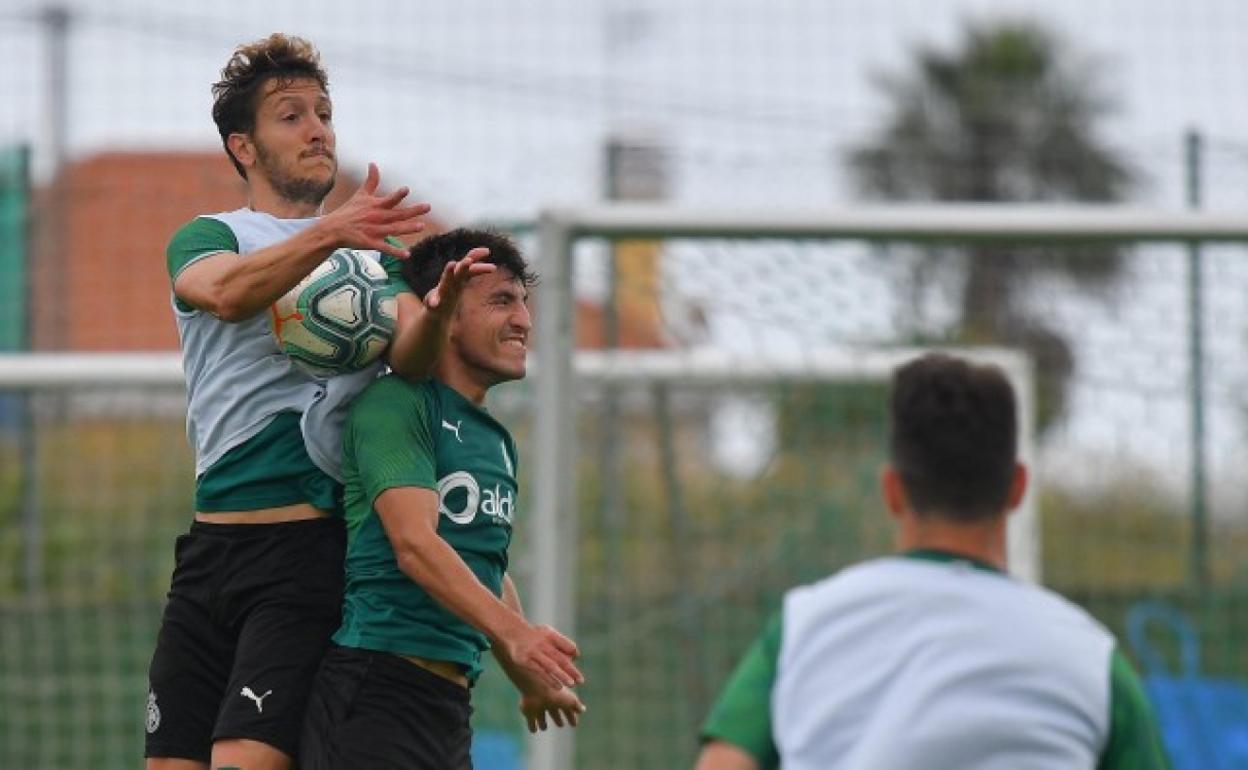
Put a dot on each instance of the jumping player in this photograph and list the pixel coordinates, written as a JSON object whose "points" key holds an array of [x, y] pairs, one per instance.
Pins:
{"points": [[256, 589]]}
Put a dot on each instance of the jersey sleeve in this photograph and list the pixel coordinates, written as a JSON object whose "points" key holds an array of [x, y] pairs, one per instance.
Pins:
{"points": [[394, 266], [199, 238], [1134, 738], [742, 713], [389, 437]]}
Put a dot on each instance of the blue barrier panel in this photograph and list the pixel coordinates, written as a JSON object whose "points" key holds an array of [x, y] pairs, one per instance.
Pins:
{"points": [[1203, 720]]}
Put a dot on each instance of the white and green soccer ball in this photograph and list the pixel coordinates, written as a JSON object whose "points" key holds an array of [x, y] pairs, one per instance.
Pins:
{"points": [[340, 318]]}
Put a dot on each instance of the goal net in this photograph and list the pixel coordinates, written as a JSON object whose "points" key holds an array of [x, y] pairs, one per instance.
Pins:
{"points": [[701, 430], [717, 438]]}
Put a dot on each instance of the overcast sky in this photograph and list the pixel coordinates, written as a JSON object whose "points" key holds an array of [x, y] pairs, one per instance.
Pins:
{"points": [[493, 109]]}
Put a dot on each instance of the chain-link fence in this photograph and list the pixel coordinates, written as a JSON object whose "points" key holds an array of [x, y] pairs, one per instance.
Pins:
{"points": [[703, 495], [697, 506]]}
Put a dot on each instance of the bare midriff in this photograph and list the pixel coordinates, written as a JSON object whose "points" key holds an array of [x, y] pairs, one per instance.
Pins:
{"points": [[443, 668], [297, 512]]}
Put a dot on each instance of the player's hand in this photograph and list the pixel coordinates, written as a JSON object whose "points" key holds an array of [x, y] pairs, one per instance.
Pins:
{"points": [[545, 653], [367, 219], [442, 299], [562, 706]]}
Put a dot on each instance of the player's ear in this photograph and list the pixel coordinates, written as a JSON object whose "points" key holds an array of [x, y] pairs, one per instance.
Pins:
{"points": [[1018, 487], [453, 323], [242, 148], [892, 490]]}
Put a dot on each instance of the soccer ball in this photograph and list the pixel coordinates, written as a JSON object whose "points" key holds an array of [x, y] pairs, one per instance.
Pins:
{"points": [[340, 318]]}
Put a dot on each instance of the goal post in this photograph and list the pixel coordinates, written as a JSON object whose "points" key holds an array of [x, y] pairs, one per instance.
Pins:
{"points": [[563, 373], [84, 377], [711, 368]]}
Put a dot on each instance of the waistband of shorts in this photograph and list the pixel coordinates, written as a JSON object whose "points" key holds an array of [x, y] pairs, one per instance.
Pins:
{"points": [[402, 666], [241, 531]]}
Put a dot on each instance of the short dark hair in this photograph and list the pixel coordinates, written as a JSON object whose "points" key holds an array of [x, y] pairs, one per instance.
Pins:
{"points": [[954, 437], [430, 256], [236, 96]]}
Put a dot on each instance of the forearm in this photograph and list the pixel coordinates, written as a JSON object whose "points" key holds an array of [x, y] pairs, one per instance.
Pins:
{"points": [[539, 700], [410, 517], [520, 677], [238, 287], [418, 339], [435, 566], [511, 597]]}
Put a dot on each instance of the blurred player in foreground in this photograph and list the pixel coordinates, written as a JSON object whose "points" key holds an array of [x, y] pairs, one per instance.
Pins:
{"points": [[257, 584], [935, 658], [430, 497]]}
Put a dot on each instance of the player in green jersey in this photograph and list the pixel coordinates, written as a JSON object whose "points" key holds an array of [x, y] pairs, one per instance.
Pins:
{"points": [[431, 497], [935, 658]]}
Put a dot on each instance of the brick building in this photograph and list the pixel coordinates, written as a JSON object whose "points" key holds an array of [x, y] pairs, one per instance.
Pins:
{"points": [[98, 275]]}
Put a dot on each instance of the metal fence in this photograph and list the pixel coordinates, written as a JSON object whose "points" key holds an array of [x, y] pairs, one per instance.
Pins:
{"points": [[495, 111]]}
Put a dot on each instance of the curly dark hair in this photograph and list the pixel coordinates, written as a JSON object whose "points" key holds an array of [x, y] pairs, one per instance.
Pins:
{"points": [[430, 256], [236, 96]]}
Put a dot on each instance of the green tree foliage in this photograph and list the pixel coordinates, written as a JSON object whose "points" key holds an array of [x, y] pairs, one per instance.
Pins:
{"points": [[1011, 115]]}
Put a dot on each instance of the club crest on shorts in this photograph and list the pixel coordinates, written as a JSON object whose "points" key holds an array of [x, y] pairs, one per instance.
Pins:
{"points": [[153, 713]]}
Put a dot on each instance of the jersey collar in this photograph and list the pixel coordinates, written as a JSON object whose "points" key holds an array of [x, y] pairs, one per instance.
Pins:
{"points": [[948, 557]]}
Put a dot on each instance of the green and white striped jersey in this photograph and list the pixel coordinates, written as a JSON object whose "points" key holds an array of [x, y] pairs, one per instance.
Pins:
{"points": [[932, 661]]}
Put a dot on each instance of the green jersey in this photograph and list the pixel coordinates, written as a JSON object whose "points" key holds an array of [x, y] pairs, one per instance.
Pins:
{"points": [[428, 436]]}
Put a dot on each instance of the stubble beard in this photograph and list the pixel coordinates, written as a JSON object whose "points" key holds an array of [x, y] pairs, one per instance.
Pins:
{"points": [[491, 371], [290, 187]]}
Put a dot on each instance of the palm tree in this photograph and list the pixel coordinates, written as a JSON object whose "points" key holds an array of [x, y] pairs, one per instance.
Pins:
{"points": [[1010, 116]]}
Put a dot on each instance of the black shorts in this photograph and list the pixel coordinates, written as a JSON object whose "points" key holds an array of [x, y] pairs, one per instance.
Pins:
{"points": [[250, 613], [375, 711]]}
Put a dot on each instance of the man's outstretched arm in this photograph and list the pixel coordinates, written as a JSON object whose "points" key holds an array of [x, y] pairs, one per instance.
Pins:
{"points": [[422, 328], [235, 288]]}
